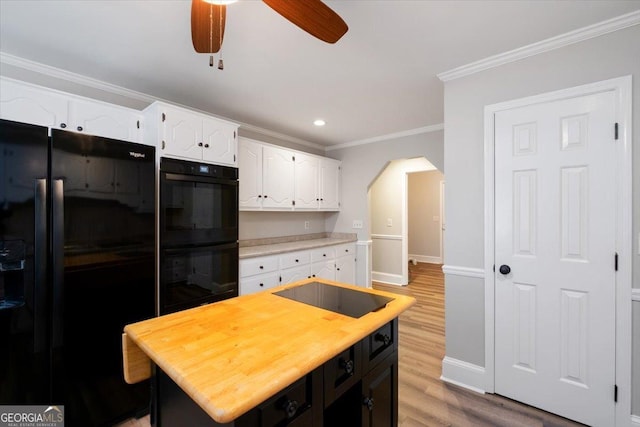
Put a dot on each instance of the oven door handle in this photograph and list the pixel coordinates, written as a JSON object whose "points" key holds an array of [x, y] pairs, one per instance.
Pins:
{"points": [[195, 179], [177, 251]]}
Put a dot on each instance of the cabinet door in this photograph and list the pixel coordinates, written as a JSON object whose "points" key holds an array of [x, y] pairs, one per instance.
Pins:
{"points": [[306, 182], [380, 391], [182, 134], [27, 104], [219, 142], [346, 269], [329, 184], [277, 178], [100, 119], [324, 270], [249, 285], [294, 274], [250, 174]]}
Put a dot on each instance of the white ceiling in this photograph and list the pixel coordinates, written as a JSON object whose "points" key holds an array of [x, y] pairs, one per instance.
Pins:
{"points": [[379, 79]]}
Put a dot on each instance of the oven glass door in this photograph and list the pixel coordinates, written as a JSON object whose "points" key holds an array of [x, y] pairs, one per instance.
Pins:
{"points": [[197, 210], [198, 275]]}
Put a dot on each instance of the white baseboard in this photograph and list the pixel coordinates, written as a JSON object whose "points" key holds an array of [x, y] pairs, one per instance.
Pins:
{"points": [[390, 279], [635, 420], [463, 374], [426, 258]]}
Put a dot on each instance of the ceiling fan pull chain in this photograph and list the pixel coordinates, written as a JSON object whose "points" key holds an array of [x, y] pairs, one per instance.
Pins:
{"points": [[220, 62]]}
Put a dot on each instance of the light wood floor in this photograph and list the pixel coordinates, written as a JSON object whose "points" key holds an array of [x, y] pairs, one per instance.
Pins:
{"points": [[425, 400]]}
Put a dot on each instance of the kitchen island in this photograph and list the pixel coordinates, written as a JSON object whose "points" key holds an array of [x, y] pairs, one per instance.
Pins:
{"points": [[267, 359]]}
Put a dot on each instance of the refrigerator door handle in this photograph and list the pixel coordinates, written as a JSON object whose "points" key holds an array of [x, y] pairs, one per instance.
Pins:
{"points": [[57, 246], [40, 267]]}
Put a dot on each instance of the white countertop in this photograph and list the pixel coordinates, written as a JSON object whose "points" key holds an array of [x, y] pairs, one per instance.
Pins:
{"points": [[299, 245]]}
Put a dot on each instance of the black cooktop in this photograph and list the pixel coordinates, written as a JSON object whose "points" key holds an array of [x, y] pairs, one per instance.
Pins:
{"points": [[334, 298]]}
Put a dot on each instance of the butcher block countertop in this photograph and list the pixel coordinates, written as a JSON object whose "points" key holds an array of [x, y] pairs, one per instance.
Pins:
{"points": [[232, 355]]}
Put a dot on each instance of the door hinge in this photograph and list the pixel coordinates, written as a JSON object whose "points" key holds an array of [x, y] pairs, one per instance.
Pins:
{"points": [[163, 144], [280, 279], [234, 157], [494, 268], [615, 263], [138, 124], [164, 117], [293, 202], [615, 393], [615, 131], [293, 158]]}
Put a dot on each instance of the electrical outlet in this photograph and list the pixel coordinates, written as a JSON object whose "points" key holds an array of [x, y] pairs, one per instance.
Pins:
{"points": [[306, 225], [357, 223]]}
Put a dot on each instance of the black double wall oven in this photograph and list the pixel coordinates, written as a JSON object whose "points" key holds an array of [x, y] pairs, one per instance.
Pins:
{"points": [[198, 234]]}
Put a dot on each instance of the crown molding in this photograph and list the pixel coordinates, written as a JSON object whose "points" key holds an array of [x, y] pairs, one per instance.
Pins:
{"points": [[581, 34], [80, 79], [417, 131], [69, 76], [281, 136]]}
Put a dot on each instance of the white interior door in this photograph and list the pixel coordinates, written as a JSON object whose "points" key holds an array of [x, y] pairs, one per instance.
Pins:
{"points": [[555, 228]]}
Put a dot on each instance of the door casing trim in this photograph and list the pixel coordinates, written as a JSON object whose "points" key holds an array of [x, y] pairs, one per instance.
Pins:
{"points": [[622, 87]]}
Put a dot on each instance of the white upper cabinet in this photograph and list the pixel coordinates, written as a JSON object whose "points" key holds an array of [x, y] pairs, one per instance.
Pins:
{"points": [[275, 178], [250, 174], [306, 182], [31, 104], [186, 134], [37, 105], [278, 169], [329, 183]]}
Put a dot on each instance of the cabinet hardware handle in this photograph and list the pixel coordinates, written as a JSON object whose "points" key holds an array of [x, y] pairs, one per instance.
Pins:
{"points": [[347, 365], [290, 408], [261, 284], [206, 145], [199, 144], [368, 402], [63, 125], [261, 267], [297, 261], [259, 196], [324, 254], [79, 128], [384, 338], [265, 196]]}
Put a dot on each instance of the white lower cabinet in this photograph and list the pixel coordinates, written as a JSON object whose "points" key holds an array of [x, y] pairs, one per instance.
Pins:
{"points": [[249, 285], [336, 262]]}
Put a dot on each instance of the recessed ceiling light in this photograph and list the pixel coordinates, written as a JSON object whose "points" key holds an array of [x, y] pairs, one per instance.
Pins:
{"points": [[319, 122]]}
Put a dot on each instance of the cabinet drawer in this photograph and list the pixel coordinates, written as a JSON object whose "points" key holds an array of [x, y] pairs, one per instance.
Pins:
{"points": [[294, 259], [342, 372], [345, 249], [258, 283], [297, 405], [379, 345], [323, 254], [253, 266]]}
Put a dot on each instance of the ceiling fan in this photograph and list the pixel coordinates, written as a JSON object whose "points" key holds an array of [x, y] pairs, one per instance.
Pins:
{"points": [[313, 16]]}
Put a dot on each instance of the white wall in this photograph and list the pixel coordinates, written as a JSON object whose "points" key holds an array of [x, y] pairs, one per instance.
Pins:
{"points": [[262, 225], [424, 216], [612, 55]]}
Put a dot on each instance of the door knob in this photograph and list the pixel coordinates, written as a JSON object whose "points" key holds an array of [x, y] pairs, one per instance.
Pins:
{"points": [[505, 269]]}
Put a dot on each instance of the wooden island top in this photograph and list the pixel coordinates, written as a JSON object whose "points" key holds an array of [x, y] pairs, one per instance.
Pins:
{"points": [[232, 355]]}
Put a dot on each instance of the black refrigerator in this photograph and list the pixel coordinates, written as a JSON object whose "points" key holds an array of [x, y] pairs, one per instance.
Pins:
{"points": [[77, 263]]}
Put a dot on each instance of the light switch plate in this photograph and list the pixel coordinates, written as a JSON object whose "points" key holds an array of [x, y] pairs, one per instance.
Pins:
{"points": [[389, 222]]}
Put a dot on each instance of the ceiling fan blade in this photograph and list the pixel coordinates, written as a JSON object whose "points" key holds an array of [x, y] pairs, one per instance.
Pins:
{"points": [[207, 26], [313, 16]]}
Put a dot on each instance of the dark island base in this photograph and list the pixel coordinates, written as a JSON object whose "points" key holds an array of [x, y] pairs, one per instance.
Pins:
{"points": [[358, 387]]}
